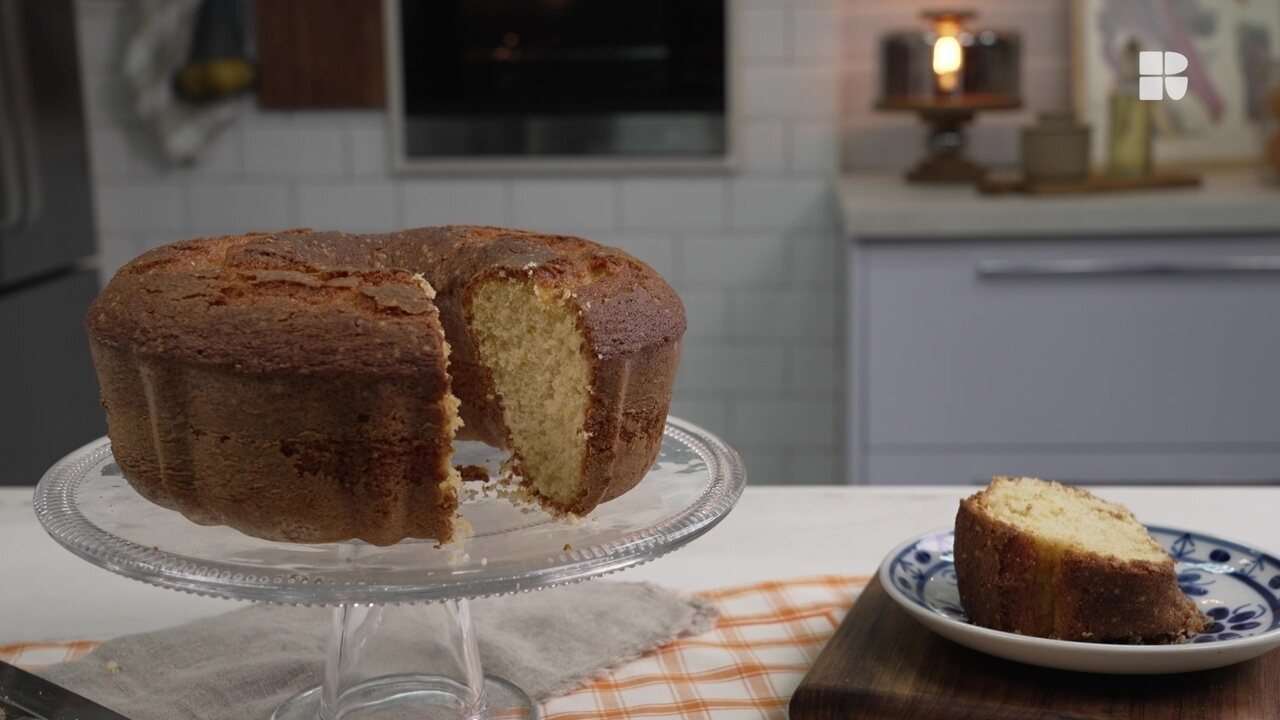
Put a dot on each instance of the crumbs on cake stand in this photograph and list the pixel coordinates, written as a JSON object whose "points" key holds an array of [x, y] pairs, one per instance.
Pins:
{"points": [[479, 483], [473, 473]]}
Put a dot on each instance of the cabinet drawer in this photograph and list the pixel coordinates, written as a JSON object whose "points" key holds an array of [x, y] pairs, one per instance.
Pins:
{"points": [[1135, 342]]}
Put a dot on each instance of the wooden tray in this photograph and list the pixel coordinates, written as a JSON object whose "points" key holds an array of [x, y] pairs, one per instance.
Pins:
{"points": [[882, 664], [995, 184]]}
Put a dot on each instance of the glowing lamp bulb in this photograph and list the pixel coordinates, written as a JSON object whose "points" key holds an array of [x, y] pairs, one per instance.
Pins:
{"points": [[948, 58]]}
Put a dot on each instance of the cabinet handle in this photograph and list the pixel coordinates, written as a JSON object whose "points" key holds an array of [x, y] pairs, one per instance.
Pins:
{"points": [[1086, 267]]}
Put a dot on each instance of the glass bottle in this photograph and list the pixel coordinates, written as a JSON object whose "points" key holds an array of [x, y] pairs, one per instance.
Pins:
{"points": [[1128, 122]]}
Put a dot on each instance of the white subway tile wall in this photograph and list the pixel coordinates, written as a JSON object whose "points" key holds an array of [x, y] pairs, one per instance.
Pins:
{"points": [[556, 205], [243, 206], [295, 150], [348, 206], [673, 203], [755, 253], [765, 33], [471, 202]]}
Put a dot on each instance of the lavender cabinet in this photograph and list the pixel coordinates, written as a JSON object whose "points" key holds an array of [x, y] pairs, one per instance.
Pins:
{"points": [[1125, 359]]}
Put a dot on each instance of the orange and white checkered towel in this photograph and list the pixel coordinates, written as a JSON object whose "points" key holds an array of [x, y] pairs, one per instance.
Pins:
{"points": [[766, 638]]}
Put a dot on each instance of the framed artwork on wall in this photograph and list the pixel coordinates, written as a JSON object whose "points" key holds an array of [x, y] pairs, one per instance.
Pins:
{"points": [[1230, 47]]}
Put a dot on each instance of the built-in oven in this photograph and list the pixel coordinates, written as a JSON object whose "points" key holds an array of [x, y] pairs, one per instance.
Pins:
{"points": [[559, 83]]}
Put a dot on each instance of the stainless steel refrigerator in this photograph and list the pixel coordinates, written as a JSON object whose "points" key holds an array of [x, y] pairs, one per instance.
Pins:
{"points": [[48, 392]]}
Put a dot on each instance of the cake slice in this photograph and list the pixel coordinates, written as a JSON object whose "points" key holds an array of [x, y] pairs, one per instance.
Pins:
{"points": [[1040, 558]]}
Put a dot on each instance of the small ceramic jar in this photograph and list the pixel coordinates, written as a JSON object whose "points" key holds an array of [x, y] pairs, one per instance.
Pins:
{"points": [[1055, 150]]}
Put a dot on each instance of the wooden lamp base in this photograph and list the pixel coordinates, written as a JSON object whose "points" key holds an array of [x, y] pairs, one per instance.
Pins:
{"points": [[946, 161]]}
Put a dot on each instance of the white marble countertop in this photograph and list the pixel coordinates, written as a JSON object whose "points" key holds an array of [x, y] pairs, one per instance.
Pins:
{"points": [[46, 593], [878, 207]]}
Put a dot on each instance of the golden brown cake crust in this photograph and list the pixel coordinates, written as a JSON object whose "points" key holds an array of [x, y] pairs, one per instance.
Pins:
{"points": [[1006, 584], [219, 302], [293, 385]]}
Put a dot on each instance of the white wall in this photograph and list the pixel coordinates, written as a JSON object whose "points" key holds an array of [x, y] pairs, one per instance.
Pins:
{"points": [[754, 253]]}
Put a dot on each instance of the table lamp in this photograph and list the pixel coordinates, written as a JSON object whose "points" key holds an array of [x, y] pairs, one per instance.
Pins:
{"points": [[946, 73]]}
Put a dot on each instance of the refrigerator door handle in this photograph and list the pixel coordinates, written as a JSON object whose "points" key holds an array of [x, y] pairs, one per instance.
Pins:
{"points": [[21, 186]]}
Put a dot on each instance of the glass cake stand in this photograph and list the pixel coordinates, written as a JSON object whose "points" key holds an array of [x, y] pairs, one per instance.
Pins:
{"points": [[85, 504]]}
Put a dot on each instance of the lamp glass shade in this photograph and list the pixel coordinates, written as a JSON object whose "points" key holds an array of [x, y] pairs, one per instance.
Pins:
{"points": [[948, 62]]}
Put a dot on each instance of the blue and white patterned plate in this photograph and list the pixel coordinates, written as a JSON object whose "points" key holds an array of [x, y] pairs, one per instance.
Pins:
{"points": [[1237, 586]]}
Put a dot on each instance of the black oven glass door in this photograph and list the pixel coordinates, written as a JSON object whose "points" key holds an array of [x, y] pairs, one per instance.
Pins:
{"points": [[620, 78]]}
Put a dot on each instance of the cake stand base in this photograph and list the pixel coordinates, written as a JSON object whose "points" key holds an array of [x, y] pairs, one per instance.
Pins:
{"points": [[371, 671], [354, 689], [429, 698]]}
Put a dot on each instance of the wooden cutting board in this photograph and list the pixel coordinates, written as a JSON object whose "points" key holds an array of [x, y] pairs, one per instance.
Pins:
{"points": [[995, 184], [882, 664]]}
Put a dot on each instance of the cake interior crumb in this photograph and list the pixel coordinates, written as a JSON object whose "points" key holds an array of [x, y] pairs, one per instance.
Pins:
{"points": [[1067, 518], [528, 337]]}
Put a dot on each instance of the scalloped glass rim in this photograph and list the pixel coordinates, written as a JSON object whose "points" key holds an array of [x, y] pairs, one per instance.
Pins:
{"points": [[61, 507]]}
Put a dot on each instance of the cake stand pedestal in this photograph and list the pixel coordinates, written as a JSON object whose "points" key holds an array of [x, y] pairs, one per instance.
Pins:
{"points": [[85, 504]]}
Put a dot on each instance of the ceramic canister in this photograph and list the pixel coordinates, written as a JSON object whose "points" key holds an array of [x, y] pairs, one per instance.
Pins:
{"points": [[1055, 150]]}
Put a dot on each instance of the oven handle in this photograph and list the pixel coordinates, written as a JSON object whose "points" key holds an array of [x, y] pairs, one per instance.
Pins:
{"points": [[1091, 267], [21, 190]]}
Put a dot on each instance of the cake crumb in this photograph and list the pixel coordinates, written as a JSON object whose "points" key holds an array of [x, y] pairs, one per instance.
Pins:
{"points": [[472, 473], [113, 667], [462, 530], [567, 547], [426, 286]]}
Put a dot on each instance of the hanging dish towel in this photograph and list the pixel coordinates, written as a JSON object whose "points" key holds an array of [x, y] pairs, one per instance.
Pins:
{"points": [[159, 51]]}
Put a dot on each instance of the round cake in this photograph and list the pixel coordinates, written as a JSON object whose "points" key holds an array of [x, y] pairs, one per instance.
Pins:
{"points": [[308, 386], [1040, 558]]}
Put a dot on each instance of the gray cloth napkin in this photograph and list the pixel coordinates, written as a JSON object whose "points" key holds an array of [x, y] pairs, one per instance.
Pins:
{"points": [[243, 664]]}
